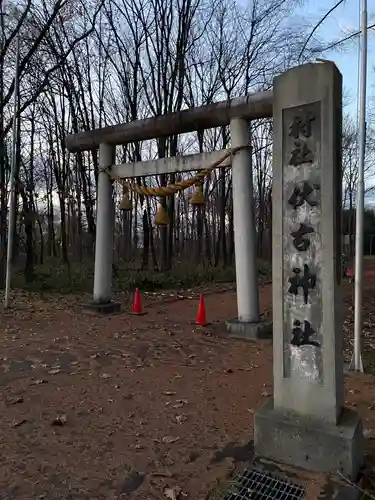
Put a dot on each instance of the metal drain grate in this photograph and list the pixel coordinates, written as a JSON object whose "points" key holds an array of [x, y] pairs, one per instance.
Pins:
{"points": [[253, 484]]}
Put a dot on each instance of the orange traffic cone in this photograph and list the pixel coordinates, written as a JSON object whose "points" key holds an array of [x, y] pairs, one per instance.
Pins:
{"points": [[201, 316], [137, 305]]}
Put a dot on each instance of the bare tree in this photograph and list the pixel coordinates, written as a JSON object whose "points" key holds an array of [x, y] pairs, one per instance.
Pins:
{"points": [[90, 63]]}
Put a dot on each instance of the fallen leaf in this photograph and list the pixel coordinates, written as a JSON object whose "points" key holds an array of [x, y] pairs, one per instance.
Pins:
{"points": [[170, 439], [105, 375], [180, 403], [172, 493], [161, 474], [40, 381], [181, 418], [54, 371], [60, 420], [19, 422], [16, 401], [368, 433]]}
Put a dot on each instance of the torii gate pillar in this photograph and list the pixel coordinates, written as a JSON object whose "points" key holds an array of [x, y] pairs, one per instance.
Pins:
{"points": [[102, 302], [248, 324]]}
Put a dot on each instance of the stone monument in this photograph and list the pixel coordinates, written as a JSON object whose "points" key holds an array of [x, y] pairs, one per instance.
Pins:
{"points": [[306, 424]]}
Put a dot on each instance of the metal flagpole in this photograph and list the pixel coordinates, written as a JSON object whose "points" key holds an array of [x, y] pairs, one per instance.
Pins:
{"points": [[12, 205], [358, 266]]}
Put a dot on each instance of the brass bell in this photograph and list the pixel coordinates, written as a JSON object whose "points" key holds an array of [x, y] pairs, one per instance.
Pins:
{"points": [[197, 198], [161, 217], [125, 202]]}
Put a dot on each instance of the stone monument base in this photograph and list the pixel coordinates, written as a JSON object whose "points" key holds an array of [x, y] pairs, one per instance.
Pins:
{"points": [[315, 446], [104, 308], [260, 330]]}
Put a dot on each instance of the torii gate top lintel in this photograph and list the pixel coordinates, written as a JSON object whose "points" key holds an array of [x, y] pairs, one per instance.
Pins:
{"points": [[257, 105]]}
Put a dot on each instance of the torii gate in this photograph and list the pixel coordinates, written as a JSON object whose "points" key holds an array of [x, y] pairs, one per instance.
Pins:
{"points": [[235, 112]]}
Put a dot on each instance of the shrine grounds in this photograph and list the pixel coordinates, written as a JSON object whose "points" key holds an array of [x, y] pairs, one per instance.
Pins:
{"points": [[142, 407]]}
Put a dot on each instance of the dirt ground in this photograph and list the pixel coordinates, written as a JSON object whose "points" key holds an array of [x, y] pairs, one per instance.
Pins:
{"points": [[142, 407]]}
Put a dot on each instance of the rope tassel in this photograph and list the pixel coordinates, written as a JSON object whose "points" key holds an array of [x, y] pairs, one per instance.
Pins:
{"points": [[161, 217], [197, 198], [125, 202]]}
